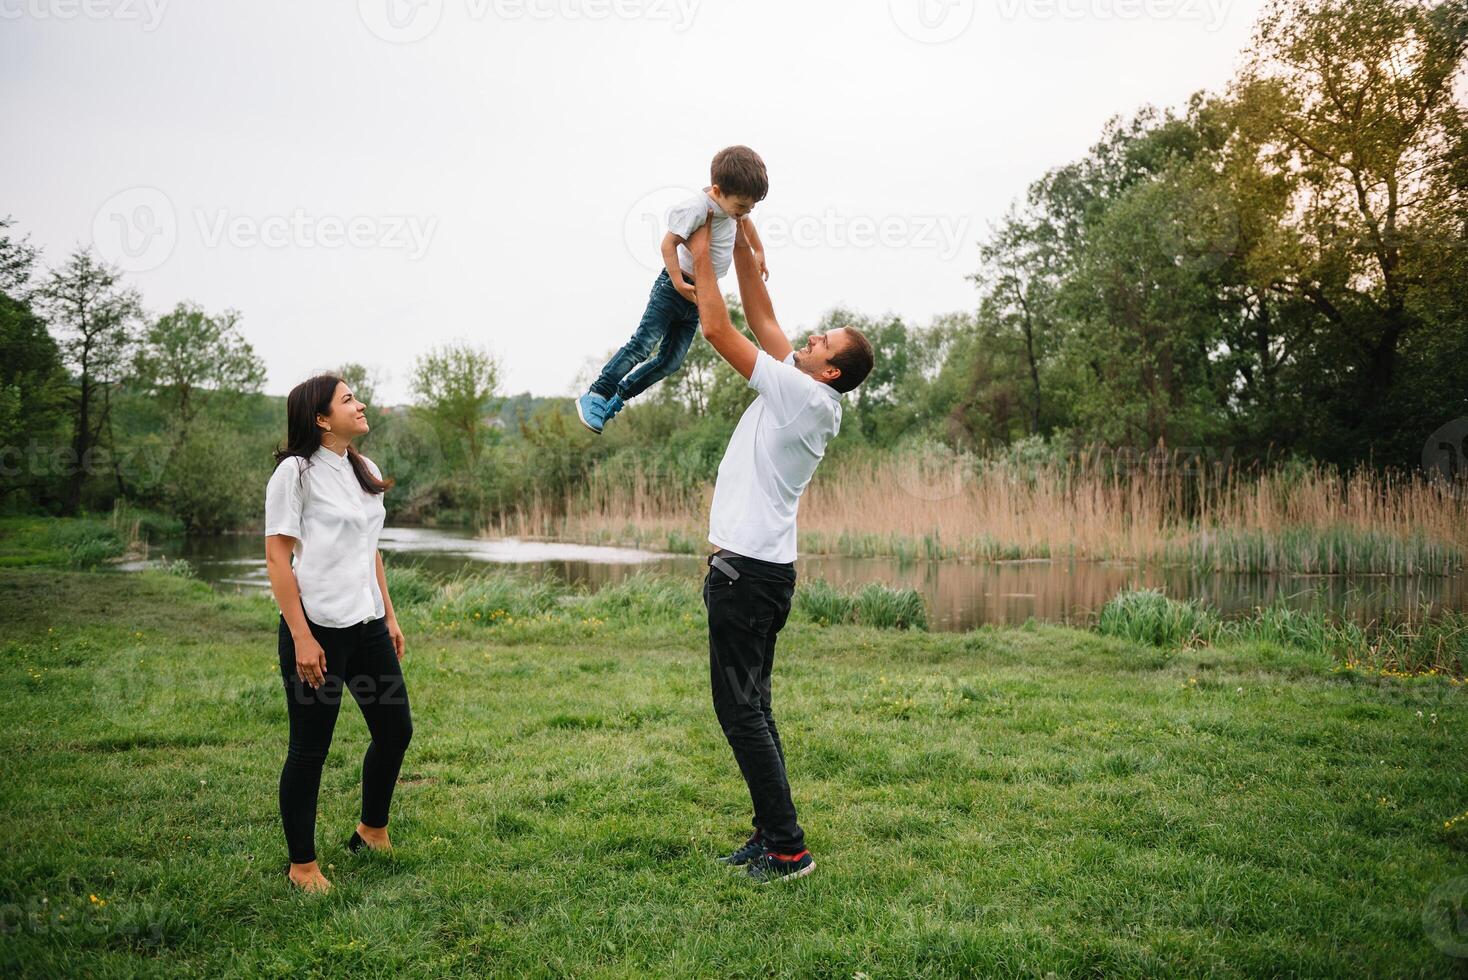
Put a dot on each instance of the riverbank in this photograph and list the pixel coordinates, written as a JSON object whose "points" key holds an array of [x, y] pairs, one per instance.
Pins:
{"points": [[1169, 509], [1031, 800]]}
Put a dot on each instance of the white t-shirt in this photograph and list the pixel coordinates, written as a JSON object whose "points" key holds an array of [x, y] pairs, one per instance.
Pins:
{"points": [[336, 525], [770, 459], [686, 218]]}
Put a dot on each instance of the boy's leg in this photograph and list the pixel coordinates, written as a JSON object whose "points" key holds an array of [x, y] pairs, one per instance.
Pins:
{"points": [[661, 312], [671, 354]]}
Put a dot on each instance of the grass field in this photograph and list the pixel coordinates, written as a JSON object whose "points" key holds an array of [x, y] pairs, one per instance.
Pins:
{"points": [[1031, 801]]}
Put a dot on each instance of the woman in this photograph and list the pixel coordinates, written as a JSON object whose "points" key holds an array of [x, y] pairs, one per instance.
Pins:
{"points": [[337, 628]]}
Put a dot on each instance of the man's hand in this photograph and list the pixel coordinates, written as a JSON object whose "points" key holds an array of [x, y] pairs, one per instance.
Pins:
{"points": [[713, 314], [746, 237]]}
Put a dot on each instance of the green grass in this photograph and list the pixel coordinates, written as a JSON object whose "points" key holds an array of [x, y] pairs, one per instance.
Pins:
{"points": [[1034, 801], [1431, 645]]}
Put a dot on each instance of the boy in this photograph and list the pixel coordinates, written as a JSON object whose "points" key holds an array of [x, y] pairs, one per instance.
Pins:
{"points": [[738, 182]]}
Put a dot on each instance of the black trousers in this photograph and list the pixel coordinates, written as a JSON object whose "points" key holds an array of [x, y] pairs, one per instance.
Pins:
{"points": [[745, 615], [362, 660]]}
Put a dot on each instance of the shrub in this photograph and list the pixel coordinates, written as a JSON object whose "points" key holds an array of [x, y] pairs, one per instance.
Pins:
{"points": [[1147, 616]]}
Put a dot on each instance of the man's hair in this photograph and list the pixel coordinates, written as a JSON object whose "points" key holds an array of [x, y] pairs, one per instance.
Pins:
{"points": [[855, 360], [739, 171]]}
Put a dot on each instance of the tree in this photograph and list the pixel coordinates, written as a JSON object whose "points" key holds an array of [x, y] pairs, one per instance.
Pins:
{"points": [[97, 320], [455, 385], [32, 378], [188, 352], [1354, 102]]}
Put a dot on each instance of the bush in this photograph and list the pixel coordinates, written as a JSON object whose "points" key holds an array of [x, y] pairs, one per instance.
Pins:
{"points": [[1147, 616], [874, 605], [85, 541], [493, 595], [410, 585], [643, 597]]}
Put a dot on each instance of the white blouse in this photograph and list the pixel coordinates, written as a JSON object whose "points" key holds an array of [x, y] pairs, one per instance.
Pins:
{"points": [[335, 524]]}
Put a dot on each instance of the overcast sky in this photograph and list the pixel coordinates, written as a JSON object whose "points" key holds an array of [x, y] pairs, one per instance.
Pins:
{"points": [[362, 180]]}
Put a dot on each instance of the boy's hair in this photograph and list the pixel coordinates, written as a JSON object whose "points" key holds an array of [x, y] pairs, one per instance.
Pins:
{"points": [[855, 361], [739, 171]]}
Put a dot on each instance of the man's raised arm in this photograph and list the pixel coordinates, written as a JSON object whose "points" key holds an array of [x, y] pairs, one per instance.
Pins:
{"points": [[759, 312], [713, 315]]}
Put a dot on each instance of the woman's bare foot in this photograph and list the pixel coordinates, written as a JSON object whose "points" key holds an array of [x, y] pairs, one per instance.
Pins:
{"points": [[374, 837], [308, 878]]}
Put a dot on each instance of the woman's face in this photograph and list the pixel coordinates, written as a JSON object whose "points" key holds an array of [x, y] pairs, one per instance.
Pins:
{"points": [[348, 417]]}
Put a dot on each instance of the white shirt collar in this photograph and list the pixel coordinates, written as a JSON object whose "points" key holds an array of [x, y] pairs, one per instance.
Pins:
{"points": [[330, 458]]}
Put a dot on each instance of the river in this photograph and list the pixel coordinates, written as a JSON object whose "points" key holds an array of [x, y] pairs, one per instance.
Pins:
{"points": [[960, 594]]}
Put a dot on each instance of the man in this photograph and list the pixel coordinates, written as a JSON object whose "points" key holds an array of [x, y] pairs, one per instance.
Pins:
{"points": [[769, 462]]}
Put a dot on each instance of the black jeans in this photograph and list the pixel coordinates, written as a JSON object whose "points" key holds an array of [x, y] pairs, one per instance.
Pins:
{"points": [[362, 659], [745, 615]]}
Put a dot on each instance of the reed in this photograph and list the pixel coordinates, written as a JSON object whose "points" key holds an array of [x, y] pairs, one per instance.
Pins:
{"points": [[1412, 645], [1165, 508]]}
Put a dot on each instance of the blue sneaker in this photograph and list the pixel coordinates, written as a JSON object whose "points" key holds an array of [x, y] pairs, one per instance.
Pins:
{"points": [[613, 406], [591, 410]]}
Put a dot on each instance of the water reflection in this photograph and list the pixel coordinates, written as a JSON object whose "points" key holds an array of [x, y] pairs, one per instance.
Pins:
{"points": [[960, 595]]}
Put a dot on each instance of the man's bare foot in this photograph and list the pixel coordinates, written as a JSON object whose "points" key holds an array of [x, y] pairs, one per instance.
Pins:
{"points": [[374, 837], [308, 878]]}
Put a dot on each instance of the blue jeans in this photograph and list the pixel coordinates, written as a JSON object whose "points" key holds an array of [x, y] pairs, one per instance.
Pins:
{"points": [[668, 323]]}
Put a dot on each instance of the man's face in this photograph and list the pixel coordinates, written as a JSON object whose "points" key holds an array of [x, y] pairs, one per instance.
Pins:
{"points": [[734, 205], [815, 357]]}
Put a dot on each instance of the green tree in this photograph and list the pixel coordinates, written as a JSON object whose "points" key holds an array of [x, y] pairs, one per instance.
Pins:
{"points": [[32, 378], [1355, 101], [188, 355], [456, 386], [96, 318]]}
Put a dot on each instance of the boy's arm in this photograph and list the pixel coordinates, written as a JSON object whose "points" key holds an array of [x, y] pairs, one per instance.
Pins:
{"points": [[759, 313], [713, 315], [746, 225], [675, 274]]}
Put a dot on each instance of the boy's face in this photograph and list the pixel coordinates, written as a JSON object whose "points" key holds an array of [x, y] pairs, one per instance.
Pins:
{"points": [[734, 205]]}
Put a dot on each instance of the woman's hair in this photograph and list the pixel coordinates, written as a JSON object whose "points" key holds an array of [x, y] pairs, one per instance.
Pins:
{"points": [[307, 400]]}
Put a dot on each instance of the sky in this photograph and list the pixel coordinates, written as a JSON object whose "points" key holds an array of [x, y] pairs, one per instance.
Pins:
{"points": [[365, 179]]}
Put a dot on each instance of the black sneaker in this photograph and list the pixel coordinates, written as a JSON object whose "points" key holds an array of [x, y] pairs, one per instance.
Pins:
{"points": [[752, 849], [770, 866]]}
